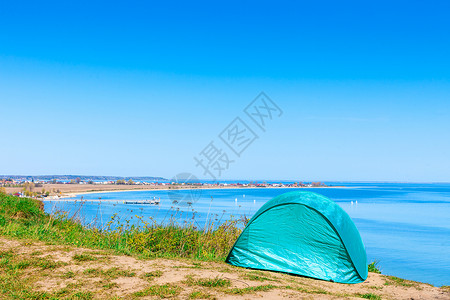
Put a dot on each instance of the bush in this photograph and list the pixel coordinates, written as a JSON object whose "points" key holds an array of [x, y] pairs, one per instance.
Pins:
{"points": [[373, 267]]}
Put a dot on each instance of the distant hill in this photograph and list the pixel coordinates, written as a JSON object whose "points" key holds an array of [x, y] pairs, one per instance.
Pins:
{"points": [[82, 177]]}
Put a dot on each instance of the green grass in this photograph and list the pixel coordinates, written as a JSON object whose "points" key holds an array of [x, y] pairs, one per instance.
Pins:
{"points": [[91, 271], [208, 282], [256, 276], [374, 287], [162, 291], [200, 295], [18, 274], [111, 273], [373, 267], [252, 289], [84, 257], [370, 296], [69, 274], [47, 263], [82, 296], [110, 285], [23, 218], [392, 280], [309, 291], [10, 261], [152, 275], [117, 272]]}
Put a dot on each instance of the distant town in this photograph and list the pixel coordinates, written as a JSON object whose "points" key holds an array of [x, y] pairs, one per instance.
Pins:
{"points": [[57, 186]]}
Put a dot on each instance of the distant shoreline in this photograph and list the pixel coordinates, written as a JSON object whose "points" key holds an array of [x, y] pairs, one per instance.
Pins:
{"points": [[64, 191], [73, 195]]}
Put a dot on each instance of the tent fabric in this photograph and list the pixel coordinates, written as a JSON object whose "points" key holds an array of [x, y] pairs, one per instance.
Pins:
{"points": [[302, 233]]}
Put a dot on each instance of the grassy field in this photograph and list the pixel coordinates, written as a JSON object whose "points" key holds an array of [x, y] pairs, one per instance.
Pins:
{"points": [[52, 257], [24, 218]]}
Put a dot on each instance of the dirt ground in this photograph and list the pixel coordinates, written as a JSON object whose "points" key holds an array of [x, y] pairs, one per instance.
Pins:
{"points": [[65, 270]]}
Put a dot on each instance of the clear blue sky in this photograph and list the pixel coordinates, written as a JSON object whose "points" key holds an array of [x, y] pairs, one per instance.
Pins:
{"points": [[139, 89]]}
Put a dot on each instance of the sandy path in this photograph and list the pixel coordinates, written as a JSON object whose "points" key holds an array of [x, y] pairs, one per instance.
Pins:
{"points": [[106, 276]]}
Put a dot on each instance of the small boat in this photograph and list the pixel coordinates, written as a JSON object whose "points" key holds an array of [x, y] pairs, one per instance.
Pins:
{"points": [[151, 202]]}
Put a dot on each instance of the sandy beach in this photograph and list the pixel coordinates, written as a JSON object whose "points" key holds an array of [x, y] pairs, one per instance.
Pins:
{"points": [[74, 190]]}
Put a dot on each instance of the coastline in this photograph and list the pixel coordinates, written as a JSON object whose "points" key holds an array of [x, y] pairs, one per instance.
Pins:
{"points": [[64, 191], [69, 194]]}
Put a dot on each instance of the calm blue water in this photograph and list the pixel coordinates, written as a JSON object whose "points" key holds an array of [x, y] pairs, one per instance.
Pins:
{"points": [[406, 227]]}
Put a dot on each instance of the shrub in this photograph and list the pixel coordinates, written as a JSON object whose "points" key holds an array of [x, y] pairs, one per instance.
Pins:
{"points": [[373, 267]]}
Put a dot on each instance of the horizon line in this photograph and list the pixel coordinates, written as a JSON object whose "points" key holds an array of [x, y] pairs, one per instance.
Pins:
{"points": [[233, 179]]}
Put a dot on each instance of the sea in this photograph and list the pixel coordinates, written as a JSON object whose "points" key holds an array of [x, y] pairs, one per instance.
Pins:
{"points": [[405, 227]]}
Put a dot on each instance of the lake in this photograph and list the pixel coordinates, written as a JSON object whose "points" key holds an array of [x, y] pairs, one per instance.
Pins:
{"points": [[405, 227]]}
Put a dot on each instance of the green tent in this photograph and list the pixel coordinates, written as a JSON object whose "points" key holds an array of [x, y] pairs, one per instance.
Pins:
{"points": [[302, 233]]}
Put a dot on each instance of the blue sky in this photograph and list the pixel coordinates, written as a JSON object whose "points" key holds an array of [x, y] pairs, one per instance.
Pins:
{"points": [[140, 88]]}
